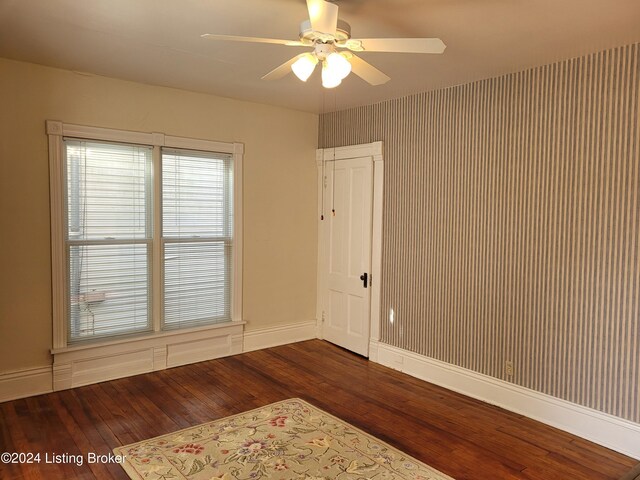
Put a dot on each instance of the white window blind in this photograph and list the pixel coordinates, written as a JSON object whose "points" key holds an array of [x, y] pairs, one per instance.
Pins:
{"points": [[109, 215], [197, 226]]}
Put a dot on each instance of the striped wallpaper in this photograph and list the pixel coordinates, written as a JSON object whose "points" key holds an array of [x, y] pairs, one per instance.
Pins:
{"points": [[511, 225]]}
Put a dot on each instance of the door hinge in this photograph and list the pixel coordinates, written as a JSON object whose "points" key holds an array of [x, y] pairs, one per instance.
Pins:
{"points": [[322, 316]]}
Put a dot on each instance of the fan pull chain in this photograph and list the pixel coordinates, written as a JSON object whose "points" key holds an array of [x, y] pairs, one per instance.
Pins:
{"points": [[333, 179], [322, 187], [333, 185], [323, 179]]}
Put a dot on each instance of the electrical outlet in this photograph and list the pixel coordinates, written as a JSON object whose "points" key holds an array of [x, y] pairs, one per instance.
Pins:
{"points": [[508, 368]]}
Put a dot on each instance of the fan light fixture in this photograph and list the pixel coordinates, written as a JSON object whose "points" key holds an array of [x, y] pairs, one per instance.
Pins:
{"points": [[335, 67]]}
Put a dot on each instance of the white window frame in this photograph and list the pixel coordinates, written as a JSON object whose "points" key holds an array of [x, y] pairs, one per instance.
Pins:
{"points": [[56, 132]]}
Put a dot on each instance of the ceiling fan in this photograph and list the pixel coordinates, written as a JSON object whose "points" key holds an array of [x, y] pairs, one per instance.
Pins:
{"points": [[333, 47]]}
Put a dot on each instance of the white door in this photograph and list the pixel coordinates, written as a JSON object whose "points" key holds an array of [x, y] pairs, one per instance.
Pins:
{"points": [[347, 252]]}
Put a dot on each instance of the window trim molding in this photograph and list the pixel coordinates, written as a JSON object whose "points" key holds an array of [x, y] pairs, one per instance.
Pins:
{"points": [[56, 131]]}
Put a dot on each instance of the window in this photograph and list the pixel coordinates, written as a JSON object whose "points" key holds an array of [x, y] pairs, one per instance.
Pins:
{"points": [[143, 233], [108, 242], [197, 227]]}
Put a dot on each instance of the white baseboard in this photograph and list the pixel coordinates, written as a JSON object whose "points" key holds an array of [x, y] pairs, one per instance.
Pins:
{"points": [[25, 383], [92, 363], [612, 432], [279, 335]]}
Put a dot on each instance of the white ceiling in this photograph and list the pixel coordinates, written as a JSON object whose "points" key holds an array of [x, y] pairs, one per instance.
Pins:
{"points": [[158, 41]]}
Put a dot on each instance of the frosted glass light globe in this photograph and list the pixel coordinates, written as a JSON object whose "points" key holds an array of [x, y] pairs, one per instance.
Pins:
{"points": [[304, 66]]}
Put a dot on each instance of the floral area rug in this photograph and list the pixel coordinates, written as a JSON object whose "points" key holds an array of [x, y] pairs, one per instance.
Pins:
{"points": [[286, 440]]}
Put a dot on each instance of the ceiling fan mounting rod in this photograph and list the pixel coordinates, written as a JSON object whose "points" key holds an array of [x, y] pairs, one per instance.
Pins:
{"points": [[309, 35]]}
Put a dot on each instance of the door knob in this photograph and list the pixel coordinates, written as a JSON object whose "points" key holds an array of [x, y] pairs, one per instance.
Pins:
{"points": [[364, 277]]}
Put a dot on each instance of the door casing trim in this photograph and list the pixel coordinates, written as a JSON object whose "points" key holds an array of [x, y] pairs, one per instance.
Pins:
{"points": [[373, 150]]}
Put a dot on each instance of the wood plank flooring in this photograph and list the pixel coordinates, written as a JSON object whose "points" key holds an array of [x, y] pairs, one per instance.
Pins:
{"points": [[462, 437]]}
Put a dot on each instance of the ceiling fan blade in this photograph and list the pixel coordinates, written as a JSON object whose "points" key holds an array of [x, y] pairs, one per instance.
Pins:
{"points": [[323, 16], [398, 45], [279, 72], [234, 38], [367, 72]]}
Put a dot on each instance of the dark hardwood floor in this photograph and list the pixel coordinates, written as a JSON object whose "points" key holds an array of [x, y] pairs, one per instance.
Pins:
{"points": [[462, 437]]}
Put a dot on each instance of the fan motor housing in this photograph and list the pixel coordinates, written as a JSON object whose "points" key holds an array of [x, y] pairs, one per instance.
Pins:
{"points": [[307, 34]]}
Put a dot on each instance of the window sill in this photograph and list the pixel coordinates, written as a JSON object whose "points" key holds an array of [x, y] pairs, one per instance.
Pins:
{"points": [[99, 361], [142, 336]]}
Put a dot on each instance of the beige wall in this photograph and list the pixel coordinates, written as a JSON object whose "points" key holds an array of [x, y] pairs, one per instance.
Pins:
{"points": [[512, 225], [279, 191]]}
